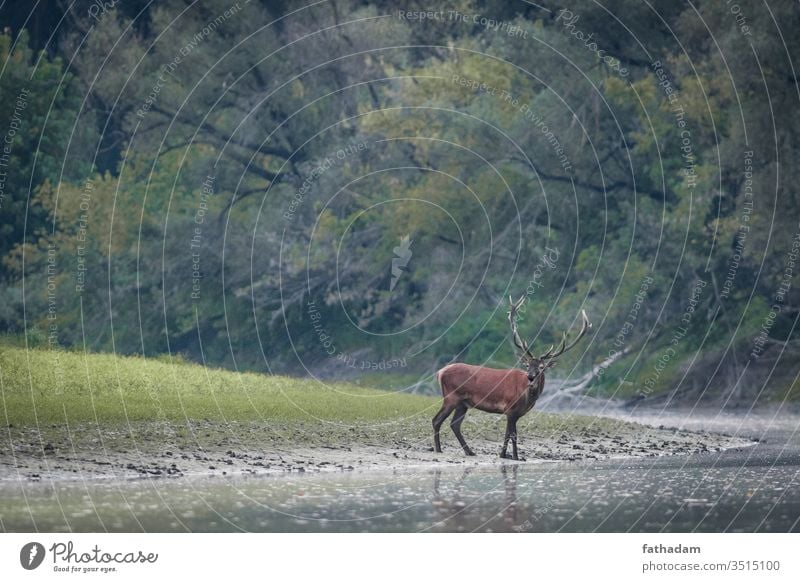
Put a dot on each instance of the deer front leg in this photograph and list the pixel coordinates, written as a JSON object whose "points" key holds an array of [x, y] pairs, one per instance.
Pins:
{"points": [[515, 456], [504, 451], [512, 430]]}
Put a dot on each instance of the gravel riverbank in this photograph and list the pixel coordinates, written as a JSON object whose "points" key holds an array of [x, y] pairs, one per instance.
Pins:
{"points": [[153, 449]]}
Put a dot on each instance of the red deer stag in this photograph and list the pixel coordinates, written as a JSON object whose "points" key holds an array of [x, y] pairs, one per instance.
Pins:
{"points": [[511, 392]]}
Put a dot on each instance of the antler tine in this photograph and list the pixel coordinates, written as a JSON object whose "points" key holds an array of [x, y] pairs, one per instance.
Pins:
{"points": [[563, 347], [549, 352], [512, 319], [560, 349]]}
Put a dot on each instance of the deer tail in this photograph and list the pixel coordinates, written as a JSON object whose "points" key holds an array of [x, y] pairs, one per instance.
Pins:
{"points": [[438, 375]]}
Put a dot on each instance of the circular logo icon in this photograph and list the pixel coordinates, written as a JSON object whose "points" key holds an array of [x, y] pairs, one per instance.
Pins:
{"points": [[31, 555]]}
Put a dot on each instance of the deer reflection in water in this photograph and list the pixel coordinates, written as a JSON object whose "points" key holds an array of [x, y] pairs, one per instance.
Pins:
{"points": [[462, 508]]}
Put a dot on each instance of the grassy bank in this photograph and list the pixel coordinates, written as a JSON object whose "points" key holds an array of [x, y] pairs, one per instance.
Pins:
{"points": [[41, 386], [47, 389]]}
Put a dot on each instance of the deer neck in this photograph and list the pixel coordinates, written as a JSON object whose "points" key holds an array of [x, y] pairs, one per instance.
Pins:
{"points": [[535, 387]]}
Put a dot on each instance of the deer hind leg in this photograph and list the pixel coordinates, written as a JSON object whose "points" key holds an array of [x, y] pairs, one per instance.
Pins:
{"points": [[438, 420], [455, 424]]}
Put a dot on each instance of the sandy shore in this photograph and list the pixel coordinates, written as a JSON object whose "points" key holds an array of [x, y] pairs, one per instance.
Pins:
{"points": [[212, 448]]}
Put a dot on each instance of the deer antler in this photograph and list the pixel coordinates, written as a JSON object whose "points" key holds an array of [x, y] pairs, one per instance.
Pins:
{"points": [[512, 319], [563, 347]]}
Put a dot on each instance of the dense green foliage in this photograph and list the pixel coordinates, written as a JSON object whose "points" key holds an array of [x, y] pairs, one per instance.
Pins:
{"points": [[343, 189]]}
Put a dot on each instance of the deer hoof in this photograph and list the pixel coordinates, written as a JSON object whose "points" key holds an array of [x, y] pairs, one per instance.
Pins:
{"points": [[469, 453], [505, 456]]}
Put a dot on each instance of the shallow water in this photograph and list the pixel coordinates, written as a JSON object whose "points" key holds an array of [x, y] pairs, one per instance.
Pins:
{"points": [[751, 489]]}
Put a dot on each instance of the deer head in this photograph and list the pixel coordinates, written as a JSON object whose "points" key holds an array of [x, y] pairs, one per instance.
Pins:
{"points": [[536, 365]]}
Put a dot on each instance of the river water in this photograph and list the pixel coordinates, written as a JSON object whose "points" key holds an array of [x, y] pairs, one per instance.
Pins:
{"points": [[751, 489]]}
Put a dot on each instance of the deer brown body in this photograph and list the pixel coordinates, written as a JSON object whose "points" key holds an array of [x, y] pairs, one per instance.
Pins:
{"points": [[512, 392], [464, 386]]}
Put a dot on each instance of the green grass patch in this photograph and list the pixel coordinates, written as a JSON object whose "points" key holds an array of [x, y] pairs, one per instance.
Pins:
{"points": [[42, 386]]}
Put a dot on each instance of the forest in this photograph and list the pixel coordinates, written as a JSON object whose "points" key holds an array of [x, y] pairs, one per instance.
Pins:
{"points": [[352, 190]]}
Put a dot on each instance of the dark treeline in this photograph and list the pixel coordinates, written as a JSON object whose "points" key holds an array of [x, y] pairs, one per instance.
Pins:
{"points": [[354, 187]]}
